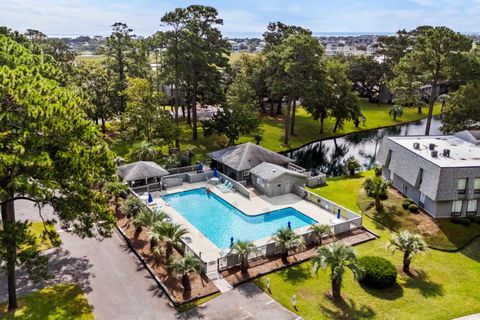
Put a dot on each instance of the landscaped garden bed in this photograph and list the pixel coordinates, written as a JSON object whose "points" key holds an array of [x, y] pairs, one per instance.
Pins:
{"points": [[441, 234], [262, 266], [201, 285]]}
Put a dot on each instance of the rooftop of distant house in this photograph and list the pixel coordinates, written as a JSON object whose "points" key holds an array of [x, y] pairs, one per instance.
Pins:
{"points": [[461, 149]]}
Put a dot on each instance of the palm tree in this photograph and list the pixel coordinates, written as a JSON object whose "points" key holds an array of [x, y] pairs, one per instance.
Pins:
{"points": [[143, 151], [133, 206], [338, 256], [352, 165], [184, 267], [243, 249], [395, 111], [148, 218], [319, 230], [410, 244], [169, 232], [376, 187], [287, 240]]}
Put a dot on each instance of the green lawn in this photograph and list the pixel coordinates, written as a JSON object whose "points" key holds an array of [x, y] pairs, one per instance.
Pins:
{"points": [[307, 130], [43, 242], [445, 287], [60, 302]]}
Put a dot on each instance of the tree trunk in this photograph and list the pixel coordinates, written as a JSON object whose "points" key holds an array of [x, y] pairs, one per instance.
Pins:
{"points": [[272, 107], [104, 127], [394, 116], [175, 95], [406, 263], [419, 109], [431, 102], [183, 112], [279, 107], [189, 118], [244, 259], [9, 242], [335, 127], [169, 250], [186, 282], [336, 287], [262, 106], [322, 118], [378, 204], [292, 123], [287, 124], [194, 108]]}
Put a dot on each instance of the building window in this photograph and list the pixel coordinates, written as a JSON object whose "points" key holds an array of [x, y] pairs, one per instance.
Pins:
{"points": [[457, 208], [462, 185], [472, 206], [476, 185], [420, 177], [422, 199], [389, 158]]}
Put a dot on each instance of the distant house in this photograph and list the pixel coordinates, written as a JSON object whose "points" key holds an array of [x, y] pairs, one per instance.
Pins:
{"points": [[274, 180], [237, 161], [439, 173]]}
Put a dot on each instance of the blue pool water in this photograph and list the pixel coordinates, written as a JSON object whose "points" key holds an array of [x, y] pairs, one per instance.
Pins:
{"points": [[219, 220]]}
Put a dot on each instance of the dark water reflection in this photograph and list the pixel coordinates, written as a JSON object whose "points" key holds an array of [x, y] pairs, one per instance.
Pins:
{"points": [[328, 156]]}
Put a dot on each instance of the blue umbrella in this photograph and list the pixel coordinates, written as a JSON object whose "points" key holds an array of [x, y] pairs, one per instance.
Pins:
{"points": [[150, 199], [338, 214], [215, 173]]}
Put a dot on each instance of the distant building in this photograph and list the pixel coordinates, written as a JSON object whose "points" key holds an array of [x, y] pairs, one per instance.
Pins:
{"points": [[439, 173]]}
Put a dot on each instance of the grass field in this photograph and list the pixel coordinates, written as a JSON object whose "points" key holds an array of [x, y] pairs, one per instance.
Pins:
{"points": [[44, 243], [60, 302], [307, 130], [444, 285]]}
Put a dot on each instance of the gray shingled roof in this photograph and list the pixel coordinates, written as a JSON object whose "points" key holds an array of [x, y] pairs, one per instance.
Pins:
{"points": [[247, 156], [141, 170], [270, 172]]}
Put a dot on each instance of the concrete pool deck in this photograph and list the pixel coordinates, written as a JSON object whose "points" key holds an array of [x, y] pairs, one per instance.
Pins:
{"points": [[257, 204]]}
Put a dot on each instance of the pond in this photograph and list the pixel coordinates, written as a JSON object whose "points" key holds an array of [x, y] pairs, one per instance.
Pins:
{"points": [[329, 155]]}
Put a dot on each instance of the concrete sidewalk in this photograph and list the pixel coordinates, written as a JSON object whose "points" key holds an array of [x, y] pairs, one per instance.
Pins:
{"points": [[244, 302]]}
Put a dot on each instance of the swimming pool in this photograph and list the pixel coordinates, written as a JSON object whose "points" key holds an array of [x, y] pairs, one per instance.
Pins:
{"points": [[218, 220]]}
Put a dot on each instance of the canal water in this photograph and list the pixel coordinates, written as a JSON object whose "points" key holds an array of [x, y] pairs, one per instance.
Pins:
{"points": [[328, 156]]}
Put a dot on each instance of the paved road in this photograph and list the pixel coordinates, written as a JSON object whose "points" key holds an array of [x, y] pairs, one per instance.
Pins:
{"points": [[246, 302], [118, 287]]}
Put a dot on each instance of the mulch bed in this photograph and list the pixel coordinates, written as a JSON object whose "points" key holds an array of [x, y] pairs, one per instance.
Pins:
{"points": [[262, 266], [201, 285]]}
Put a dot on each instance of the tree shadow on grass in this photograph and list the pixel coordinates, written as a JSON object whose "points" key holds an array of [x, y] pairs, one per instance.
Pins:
{"points": [[392, 293], [296, 274], [419, 280], [48, 303], [348, 309], [62, 267]]}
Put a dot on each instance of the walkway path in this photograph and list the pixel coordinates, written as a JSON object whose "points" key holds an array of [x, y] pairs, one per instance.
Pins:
{"points": [[246, 302]]}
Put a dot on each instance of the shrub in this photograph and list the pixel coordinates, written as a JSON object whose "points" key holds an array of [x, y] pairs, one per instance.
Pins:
{"points": [[379, 273], [406, 204], [413, 208], [459, 220]]}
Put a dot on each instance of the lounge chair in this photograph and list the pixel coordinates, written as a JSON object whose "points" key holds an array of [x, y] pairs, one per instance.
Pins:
{"points": [[227, 186]]}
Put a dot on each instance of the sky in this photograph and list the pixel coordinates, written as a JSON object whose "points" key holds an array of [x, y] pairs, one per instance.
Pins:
{"points": [[242, 18]]}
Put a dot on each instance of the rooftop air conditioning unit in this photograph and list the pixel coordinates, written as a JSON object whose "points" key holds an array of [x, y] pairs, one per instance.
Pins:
{"points": [[416, 145], [446, 153], [434, 153], [431, 146]]}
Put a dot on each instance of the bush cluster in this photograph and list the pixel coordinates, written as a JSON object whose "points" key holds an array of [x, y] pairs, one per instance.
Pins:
{"points": [[379, 273], [413, 208], [461, 220]]}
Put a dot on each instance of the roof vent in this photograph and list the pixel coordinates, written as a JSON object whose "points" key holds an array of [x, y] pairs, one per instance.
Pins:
{"points": [[274, 170], [446, 153], [434, 153], [431, 146], [416, 145]]}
